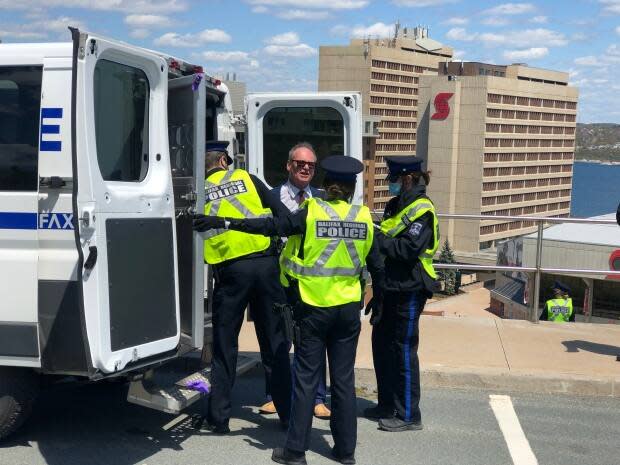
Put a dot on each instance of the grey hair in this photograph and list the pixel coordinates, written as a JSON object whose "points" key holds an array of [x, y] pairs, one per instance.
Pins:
{"points": [[212, 158], [301, 145]]}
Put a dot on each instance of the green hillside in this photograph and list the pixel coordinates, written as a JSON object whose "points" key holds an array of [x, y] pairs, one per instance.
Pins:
{"points": [[598, 141]]}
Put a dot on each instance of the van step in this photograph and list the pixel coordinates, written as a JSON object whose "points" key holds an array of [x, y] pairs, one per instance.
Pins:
{"points": [[163, 389]]}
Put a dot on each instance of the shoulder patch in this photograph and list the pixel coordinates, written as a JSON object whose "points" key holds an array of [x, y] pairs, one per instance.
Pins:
{"points": [[415, 228]]}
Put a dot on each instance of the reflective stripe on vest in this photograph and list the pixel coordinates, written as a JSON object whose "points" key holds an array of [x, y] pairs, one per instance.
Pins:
{"points": [[232, 194], [559, 310], [395, 225], [329, 273]]}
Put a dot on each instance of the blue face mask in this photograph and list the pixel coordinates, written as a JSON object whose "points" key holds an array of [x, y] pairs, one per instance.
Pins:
{"points": [[394, 188]]}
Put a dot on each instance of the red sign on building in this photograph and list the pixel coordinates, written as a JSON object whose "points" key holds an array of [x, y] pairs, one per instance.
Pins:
{"points": [[442, 107]]}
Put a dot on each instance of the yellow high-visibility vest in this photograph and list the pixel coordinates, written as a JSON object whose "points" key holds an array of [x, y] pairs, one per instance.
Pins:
{"points": [[392, 227], [337, 240], [559, 310], [232, 194]]}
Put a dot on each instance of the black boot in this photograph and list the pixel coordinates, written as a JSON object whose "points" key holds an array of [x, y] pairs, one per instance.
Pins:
{"points": [[288, 457], [347, 459], [396, 424], [219, 429], [377, 412]]}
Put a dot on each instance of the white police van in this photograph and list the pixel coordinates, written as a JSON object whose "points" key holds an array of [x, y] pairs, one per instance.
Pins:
{"points": [[101, 166]]}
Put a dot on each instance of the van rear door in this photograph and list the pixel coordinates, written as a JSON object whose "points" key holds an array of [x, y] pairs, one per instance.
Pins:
{"points": [[124, 202], [330, 121]]}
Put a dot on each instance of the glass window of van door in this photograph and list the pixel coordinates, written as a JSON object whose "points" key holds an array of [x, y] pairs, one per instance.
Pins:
{"points": [[20, 107], [283, 127], [121, 96]]}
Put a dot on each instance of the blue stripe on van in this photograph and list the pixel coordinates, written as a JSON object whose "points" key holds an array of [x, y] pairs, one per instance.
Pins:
{"points": [[31, 221], [18, 220]]}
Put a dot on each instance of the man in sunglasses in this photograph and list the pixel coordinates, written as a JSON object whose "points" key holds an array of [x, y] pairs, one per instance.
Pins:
{"points": [[300, 166]]}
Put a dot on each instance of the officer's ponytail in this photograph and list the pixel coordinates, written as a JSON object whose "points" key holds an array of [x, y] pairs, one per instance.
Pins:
{"points": [[338, 189], [426, 175]]}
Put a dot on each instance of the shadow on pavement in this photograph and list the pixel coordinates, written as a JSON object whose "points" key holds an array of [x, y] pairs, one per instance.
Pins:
{"points": [[94, 425], [594, 347]]}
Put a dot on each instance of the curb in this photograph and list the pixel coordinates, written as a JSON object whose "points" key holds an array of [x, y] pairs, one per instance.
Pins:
{"points": [[505, 381]]}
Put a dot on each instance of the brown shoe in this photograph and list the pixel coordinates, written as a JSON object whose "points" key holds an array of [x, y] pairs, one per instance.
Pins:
{"points": [[267, 408], [322, 412]]}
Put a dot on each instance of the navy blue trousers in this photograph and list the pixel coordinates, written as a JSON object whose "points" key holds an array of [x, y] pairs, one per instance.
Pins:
{"points": [[253, 281], [335, 329], [395, 342]]}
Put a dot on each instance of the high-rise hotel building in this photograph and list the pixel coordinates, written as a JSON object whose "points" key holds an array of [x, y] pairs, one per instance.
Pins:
{"points": [[499, 140], [387, 72]]}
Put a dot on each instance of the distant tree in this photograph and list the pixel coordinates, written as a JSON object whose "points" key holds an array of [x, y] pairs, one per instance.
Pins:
{"points": [[448, 277]]}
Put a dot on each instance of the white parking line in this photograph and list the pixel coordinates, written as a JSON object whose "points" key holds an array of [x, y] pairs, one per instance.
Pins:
{"points": [[517, 443]]}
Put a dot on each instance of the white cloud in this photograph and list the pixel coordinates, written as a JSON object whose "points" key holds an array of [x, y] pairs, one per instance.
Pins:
{"points": [[260, 9], [294, 51], [287, 38], [21, 34], [303, 15], [173, 39], [533, 53], [140, 33], [521, 38], [227, 57], [129, 6], [617, 29], [611, 6], [511, 9], [308, 4], [495, 21], [41, 28], [589, 60], [146, 21], [456, 21], [539, 19], [421, 3], [376, 30], [459, 54]]}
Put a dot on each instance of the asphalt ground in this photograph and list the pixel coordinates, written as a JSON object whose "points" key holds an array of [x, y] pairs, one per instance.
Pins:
{"points": [[84, 425]]}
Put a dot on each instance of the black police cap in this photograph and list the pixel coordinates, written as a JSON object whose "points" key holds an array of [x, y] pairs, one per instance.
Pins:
{"points": [[561, 286], [400, 165], [218, 146], [342, 168]]}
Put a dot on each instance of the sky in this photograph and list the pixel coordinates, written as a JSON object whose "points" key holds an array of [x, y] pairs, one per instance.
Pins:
{"points": [[273, 44]]}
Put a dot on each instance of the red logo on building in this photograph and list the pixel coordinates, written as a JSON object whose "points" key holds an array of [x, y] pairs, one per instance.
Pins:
{"points": [[614, 264], [442, 107]]}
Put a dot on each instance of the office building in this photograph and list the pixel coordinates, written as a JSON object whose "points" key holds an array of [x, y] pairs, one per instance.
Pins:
{"points": [[387, 73], [499, 140]]}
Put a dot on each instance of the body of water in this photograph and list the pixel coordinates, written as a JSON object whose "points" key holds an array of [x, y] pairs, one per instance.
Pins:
{"points": [[596, 189]]}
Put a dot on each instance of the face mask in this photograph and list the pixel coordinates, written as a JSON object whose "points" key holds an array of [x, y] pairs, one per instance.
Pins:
{"points": [[394, 188]]}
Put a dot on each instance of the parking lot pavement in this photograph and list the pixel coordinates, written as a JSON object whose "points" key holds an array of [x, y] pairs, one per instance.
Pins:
{"points": [[94, 425]]}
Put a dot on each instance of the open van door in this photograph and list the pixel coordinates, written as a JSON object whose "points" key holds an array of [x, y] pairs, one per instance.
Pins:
{"points": [[330, 121], [123, 203]]}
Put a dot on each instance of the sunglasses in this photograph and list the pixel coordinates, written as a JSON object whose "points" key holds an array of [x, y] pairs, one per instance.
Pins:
{"points": [[299, 164]]}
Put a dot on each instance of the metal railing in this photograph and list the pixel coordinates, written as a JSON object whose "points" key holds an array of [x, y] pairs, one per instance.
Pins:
{"points": [[538, 269]]}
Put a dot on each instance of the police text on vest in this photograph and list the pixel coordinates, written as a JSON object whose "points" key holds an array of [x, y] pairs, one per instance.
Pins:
{"points": [[341, 230], [225, 190]]}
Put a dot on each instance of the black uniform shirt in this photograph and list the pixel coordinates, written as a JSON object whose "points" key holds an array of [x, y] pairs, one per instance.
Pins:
{"points": [[403, 269], [268, 201], [295, 223]]}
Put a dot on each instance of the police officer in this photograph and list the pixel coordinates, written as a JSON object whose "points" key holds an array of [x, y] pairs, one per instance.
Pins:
{"points": [[330, 242], [246, 271], [560, 308], [408, 239]]}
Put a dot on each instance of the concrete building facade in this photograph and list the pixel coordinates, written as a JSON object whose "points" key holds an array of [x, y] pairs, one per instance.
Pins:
{"points": [[499, 140], [387, 73]]}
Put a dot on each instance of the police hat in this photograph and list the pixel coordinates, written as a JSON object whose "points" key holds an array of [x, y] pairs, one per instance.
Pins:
{"points": [[561, 287], [219, 146], [400, 165], [339, 167]]}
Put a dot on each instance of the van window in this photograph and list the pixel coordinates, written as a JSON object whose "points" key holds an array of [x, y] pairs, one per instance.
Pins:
{"points": [[20, 106], [121, 96], [323, 127]]}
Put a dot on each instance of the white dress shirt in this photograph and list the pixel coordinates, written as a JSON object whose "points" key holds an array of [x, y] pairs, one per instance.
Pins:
{"points": [[289, 193]]}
